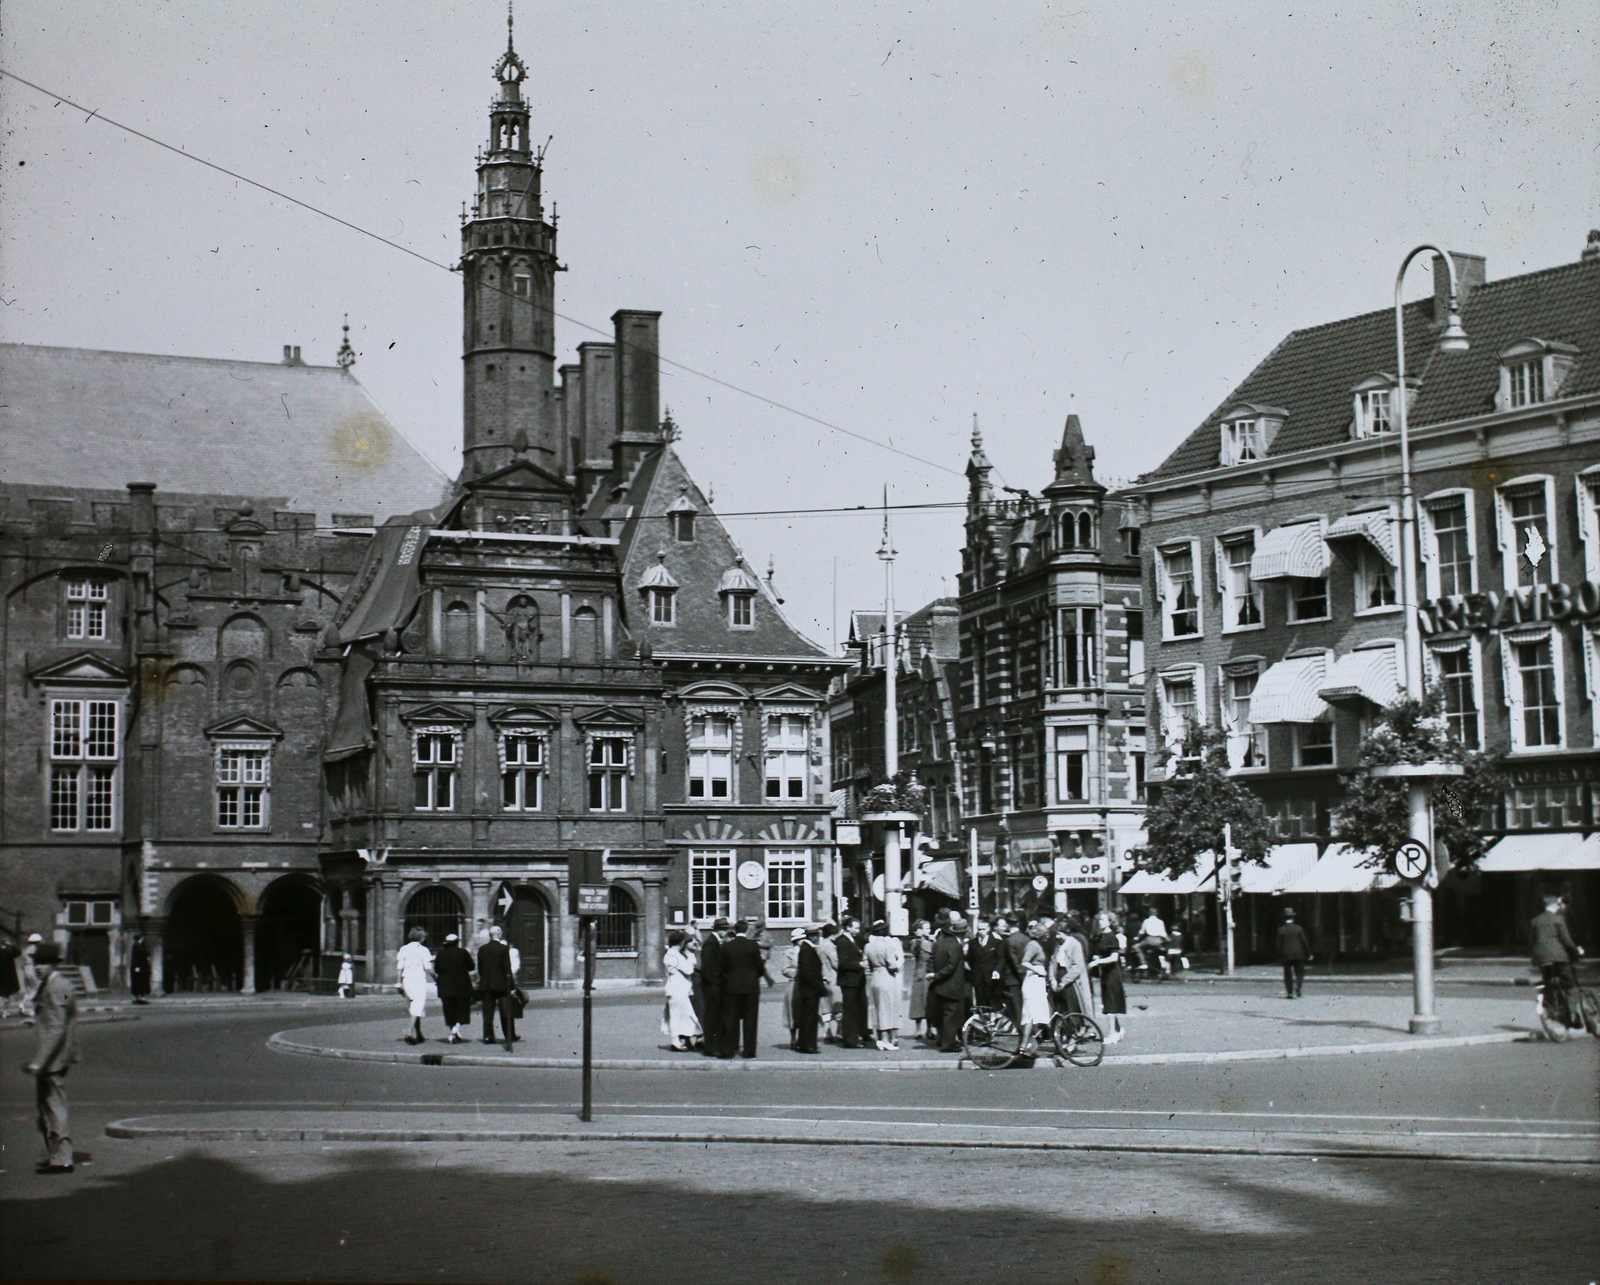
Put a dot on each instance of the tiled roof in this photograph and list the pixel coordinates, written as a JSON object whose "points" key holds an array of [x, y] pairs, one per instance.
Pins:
{"points": [[698, 567], [308, 436], [1311, 372]]}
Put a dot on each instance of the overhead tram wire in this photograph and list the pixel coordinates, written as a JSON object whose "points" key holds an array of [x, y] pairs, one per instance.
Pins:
{"points": [[96, 114]]}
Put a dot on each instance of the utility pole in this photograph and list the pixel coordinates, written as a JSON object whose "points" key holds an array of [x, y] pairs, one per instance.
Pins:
{"points": [[1225, 890], [893, 898]]}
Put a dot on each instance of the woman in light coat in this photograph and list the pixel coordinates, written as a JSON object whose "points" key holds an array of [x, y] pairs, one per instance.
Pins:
{"points": [[1035, 988], [884, 959], [918, 950], [682, 1026], [413, 964], [791, 965], [1069, 974]]}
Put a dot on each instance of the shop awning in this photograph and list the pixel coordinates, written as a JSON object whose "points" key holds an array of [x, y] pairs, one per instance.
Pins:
{"points": [[1377, 529], [1371, 672], [1341, 869], [1520, 852], [1290, 551], [1287, 692], [1285, 864], [941, 876], [1150, 883]]}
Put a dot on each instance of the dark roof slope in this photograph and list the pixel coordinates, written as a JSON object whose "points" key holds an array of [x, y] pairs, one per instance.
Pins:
{"points": [[698, 567], [308, 435], [1312, 372]]}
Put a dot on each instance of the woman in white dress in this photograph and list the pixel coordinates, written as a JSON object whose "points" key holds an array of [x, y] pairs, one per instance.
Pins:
{"points": [[683, 1027], [791, 965], [884, 958], [413, 964], [1035, 988]]}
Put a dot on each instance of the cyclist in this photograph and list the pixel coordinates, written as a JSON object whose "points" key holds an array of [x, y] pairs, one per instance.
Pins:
{"points": [[1554, 953], [1153, 945]]}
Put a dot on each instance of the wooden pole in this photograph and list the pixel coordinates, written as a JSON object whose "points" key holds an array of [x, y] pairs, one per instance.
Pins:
{"points": [[587, 1114]]}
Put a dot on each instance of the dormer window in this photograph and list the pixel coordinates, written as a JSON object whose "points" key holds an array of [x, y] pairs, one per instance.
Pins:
{"points": [[738, 589], [1375, 409], [660, 592], [1533, 371], [1247, 433], [680, 519]]}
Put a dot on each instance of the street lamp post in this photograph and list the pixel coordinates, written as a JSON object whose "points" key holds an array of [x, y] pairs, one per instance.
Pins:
{"points": [[1452, 339]]}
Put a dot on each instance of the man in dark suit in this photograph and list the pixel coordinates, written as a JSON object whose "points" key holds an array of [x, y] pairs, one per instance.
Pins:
{"points": [[947, 983], [743, 970], [452, 969], [985, 965], [1011, 973], [496, 983], [1294, 949], [852, 986], [711, 987], [810, 985]]}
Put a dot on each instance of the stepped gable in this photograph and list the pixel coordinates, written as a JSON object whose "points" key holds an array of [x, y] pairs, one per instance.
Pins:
{"points": [[307, 438], [1311, 372], [698, 566]]}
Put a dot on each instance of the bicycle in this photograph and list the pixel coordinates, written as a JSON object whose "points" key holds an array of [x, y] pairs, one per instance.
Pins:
{"points": [[991, 1040], [1566, 1008], [1078, 1038]]}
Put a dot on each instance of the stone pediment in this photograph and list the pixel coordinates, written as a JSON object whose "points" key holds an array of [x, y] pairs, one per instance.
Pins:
{"points": [[85, 668], [243, 728], [519, 476], [523, 714], [435, 712], [609, 716], [788, 694], [713, 690]]}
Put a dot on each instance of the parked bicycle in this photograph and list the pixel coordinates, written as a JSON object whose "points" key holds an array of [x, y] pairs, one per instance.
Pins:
{"points": [[993, 1042]]}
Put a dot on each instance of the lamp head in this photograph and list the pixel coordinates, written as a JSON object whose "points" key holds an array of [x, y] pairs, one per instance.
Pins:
{"points": [[1454, 337]]}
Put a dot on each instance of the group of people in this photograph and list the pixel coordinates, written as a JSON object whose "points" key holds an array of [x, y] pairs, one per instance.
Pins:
{"points": [[848, 984], [489, 980]]}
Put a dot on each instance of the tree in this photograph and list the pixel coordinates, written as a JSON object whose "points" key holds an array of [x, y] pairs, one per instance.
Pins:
{"points": [[1375, 816], [1195, 804]]}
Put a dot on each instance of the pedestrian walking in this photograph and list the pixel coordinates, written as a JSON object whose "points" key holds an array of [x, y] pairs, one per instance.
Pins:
{"points": [[139, 970], [918, 951], [947, 983], [852, 986], [347, 977], [1105, 963], [1294, 951], [27, 977], [413, 965], [810, 986], [496, 981], [1036, 1012], [711, 986], [832, 1002], [791, 961], [884, 958], [743, 971], [452, 970], [682, 1026], [53, 1055], [1069, 972]]}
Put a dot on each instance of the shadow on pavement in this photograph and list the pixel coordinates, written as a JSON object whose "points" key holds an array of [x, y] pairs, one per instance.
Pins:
{"points": [[625, 1214]]}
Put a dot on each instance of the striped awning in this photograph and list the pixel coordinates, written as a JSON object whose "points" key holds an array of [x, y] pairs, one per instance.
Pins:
{"points": [[1287, 692], [1521, 852], [1342, 869], [1371, 672], [1377, 529], [1151, 883], [1287, 863], [1290, 551]]}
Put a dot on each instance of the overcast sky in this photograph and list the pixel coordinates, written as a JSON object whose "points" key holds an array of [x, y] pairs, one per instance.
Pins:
{"points": [[890, 217]]}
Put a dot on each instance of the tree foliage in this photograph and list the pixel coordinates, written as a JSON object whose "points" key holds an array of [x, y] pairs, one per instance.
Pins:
{"points": [[1195, 804], [1375, 816]]}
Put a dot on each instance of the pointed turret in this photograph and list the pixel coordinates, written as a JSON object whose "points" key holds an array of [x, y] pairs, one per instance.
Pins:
{"points": [[1074, 463]]}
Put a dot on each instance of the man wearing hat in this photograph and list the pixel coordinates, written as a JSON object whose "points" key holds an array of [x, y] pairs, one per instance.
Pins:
{"points": [[809, 988], [57, 1050], [947, 984], [743, 971], [711, 986], [452, 969]]}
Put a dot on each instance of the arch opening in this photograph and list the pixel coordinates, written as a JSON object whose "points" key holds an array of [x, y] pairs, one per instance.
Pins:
{"points": [[437, 910], [204, 940], [289, 934]]}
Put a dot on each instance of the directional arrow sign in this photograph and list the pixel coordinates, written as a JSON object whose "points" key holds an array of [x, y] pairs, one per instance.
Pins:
{"points": [[505, 901]]}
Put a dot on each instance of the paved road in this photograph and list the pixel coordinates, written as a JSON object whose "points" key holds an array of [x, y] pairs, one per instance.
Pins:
{"points": [[626, 1212]]}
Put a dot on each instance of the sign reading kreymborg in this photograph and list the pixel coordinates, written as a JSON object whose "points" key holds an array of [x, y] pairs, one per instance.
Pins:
{"points": [[1529, 605]]}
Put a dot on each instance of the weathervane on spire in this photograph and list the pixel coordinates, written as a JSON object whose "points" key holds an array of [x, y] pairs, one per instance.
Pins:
{"points": [[346, 356], [510, 69]]}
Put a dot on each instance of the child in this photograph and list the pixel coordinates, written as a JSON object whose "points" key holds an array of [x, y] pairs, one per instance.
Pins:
{"points": [[347, 978]]}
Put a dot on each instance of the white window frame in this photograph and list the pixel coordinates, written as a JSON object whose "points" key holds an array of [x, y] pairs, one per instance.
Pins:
{"points": [[1171, 737], [663, 605], [1590, 641], [1510, 545], [88, 609], [613, 773], [1088, 650], [741, 603], [1460, 643], [1225, 575], [1429, 543], [1256, 734], [1065, 749], [720, 863], [79, 768], [1300, 746], [787, 860], [1366, 417], [435, 767], [1243, 442], [519, 772], [1369, 565], [707, 753], [243, 770], [1586, 493], [1164, 590], [787, 762], [1512, 674]]}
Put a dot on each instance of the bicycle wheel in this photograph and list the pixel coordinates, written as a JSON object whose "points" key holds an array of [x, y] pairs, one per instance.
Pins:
{"points": [[1555, 1024], [1589, 1008], [991, 1040], [1078, 1038]]}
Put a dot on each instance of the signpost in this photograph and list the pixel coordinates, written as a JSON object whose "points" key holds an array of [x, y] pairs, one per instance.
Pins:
{"points": [[1411, 861], [1225, 891], [588, 897]]}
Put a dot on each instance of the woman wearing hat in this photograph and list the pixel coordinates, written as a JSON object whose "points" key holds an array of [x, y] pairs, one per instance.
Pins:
{"points": [[452, 969], [682, 1026], [791, 965], [884, 959]]}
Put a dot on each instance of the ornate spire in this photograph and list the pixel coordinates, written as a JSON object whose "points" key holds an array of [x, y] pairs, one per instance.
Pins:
{"points": [[510, 71], [346, 356], [1074, 460]]}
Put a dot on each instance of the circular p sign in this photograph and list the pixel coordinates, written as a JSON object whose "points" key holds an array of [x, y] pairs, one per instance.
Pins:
{"points": [[1411, 860]]}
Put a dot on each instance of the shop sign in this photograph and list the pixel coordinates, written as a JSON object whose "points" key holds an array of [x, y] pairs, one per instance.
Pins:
{"points": [[1533, 604], [846, 832], [1081, 872]]}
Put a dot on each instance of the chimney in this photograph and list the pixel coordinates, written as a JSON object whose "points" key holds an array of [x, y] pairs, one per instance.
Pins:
{"points": [[568, 399], [638, 386], [291, 355], [594, 415], [141, 559], [1470, 275], [1591, 251]]}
